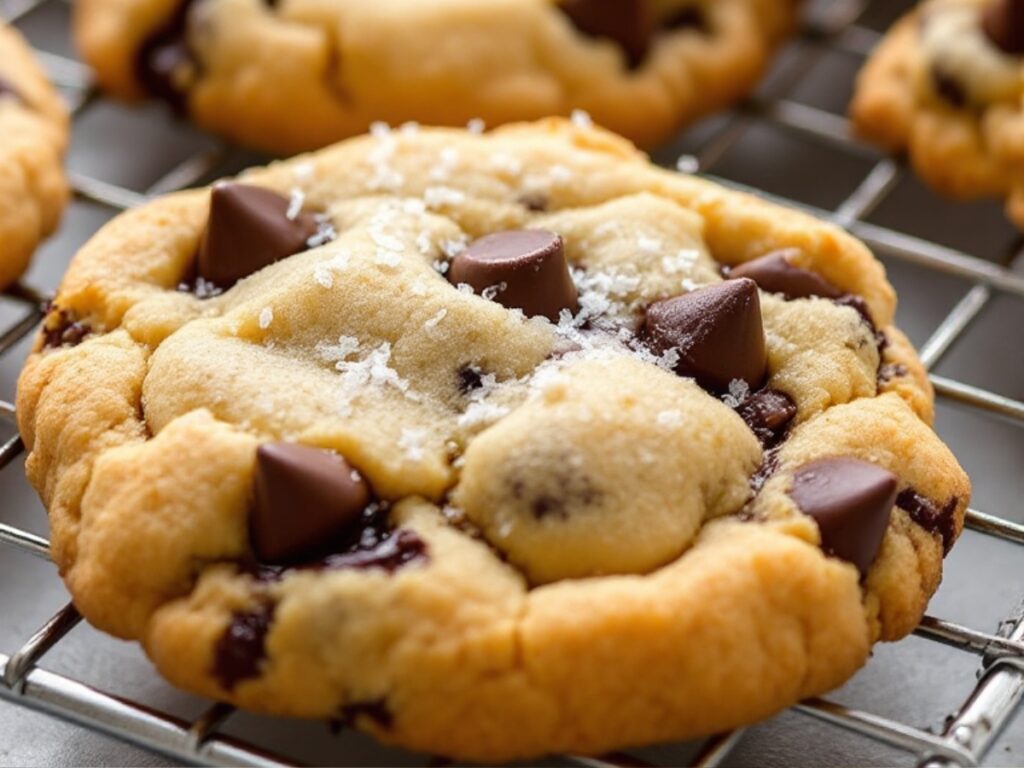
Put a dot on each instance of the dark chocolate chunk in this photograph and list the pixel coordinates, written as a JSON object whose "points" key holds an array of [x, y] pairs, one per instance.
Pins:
{"points": [[249, 229], [768, 413], [534, 201], [523, 269], [630, 23], [716, 331], [775, 273], [933, 516], [470, 378], [164, 61], [1003, 22], [241, 650], [851, 501], [304, 499], [949, 88], [62, 329], [376, 710]]}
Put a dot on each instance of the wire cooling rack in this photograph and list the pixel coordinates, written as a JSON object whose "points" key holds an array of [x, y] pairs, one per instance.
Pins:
{"points": [[835, 30]]}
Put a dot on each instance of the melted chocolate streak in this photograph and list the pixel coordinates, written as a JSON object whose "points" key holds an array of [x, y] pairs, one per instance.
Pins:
{"points": [[931, 515], [241, 650], [162, 53], [61, 329]]}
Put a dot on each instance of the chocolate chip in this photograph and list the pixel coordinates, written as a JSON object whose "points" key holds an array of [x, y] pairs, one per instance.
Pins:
{"points": [[62, 329], [241, 650], [629, 23], [890, 371], [768, 413], [304, 499], [249, 229], [775, 273], [931, 515], [716, 331], [534, 201], [470, 378], [376, 710], [851, 501], [949, 88], [1003, 22], [164, 60], [520, 269]]}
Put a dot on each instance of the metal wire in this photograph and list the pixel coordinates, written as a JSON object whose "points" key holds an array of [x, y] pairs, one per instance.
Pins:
{"points": [[970, 732]]}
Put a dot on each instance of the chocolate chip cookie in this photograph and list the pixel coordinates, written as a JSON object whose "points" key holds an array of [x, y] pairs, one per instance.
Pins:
{"points": [[491, 445], [947, 86], [299, 74], [33, 134]]}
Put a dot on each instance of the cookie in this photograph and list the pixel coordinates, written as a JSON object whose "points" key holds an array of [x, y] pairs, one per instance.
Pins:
{"points": [[946, 85], [33, 135], [491, 445], [297, 75]]}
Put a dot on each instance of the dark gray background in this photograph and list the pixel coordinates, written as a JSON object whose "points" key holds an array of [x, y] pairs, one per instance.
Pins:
{"points": [[915, 681]]}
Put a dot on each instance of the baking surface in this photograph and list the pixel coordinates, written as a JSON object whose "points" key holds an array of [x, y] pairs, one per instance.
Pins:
{"points": [[917, 681]]}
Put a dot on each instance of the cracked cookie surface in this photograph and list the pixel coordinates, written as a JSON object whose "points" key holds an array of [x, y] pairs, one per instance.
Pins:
{"points": [[299, 74], [33, 135], [946, 85], [335, 471]]}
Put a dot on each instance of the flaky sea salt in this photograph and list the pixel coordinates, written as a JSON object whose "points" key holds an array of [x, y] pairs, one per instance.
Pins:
{"points": [[482, 414], [476, 125], [411, 443], [295, 202], [302, 171], [441, 196], [452, 247], [447, 161], [266, 318], [372, 370], [324, 234], [652, 245], [436, 319], [423, 243], [560, 174], [491, 291], [682, 260], [504, 162], [670, 419], [739, 391], [323, 277], [581, 119], [687, 164]]}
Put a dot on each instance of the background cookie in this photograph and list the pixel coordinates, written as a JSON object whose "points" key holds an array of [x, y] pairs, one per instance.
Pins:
{"points": [[947, 85], [480, 431], [298, 75], [33, 134]]}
